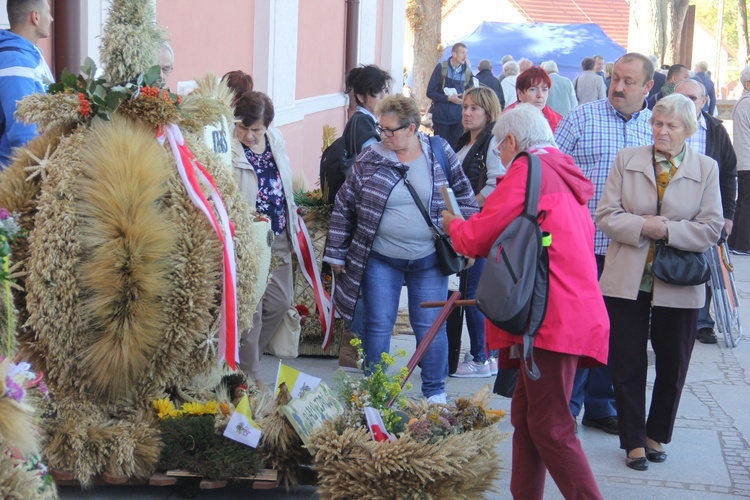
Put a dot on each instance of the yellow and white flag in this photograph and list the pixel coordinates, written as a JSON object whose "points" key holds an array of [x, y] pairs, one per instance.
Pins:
{"points": [[241, 427], [296, 381]]}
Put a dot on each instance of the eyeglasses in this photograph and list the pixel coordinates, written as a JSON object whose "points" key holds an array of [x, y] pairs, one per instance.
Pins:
{"points": [[388, 132], [496, 149]]}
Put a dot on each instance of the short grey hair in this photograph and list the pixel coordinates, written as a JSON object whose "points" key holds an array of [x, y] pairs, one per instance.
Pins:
{"points": [[506, 58], [679, 106], [527, 124], [550, 67], [484, 64], [694, 82], [511, 68]]}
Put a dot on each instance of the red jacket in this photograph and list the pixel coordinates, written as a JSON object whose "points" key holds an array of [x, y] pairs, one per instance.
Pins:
{"points": [[552, 116], [576, 320]]}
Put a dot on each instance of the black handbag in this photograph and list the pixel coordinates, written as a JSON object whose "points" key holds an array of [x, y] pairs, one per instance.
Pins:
{"points": [[679, 267], [450, 261], [674, 266]]}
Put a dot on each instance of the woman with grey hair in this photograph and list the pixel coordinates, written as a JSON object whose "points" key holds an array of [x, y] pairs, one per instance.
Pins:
{"points": [[665, 192], [378, 239], [575, 329]]}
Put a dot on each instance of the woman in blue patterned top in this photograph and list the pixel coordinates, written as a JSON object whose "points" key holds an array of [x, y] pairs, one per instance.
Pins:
{"points": [[265, 180]]}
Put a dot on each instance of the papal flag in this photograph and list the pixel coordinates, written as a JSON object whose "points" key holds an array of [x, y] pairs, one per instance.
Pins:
{"points": [[242, 427], [296, 381]]}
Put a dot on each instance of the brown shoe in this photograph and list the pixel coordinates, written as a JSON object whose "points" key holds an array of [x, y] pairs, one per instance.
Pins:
{"points": [[348, 355]]}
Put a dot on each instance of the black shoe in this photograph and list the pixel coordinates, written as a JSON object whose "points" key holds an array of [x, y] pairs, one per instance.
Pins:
{"points": [[607, 424], [740, 252], [706, 336], [654, 455], [640, 464]]}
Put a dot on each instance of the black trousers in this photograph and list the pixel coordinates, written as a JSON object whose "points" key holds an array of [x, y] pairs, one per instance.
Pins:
{"points": [[672, 339], [740, 237]]}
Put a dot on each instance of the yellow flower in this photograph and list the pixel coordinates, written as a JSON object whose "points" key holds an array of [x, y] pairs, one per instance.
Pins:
{"points": [[387, 359], [193, 408], [356, 342], [401, 352], [163, 407], [211, 407], [175, 414]]}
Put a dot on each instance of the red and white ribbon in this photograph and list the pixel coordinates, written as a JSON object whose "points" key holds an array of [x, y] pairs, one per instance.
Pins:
{"points": [[193, 173], [309, 266]]}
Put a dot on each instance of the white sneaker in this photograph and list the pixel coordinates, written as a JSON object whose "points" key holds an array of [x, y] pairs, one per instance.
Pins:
{"points": [[493, 366], [437, 399], [470, 369]]}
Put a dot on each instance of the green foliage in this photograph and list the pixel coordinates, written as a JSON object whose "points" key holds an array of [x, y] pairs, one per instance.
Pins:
{"points": [[192, 443], [707, 13], [104, 97]]}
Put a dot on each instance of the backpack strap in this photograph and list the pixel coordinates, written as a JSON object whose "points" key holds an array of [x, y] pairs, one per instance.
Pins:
{"points": [[439, 152], [541, 284], [443, 74]]}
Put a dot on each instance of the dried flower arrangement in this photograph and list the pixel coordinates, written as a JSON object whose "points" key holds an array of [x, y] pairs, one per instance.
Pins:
{"points": [[439, 451]]}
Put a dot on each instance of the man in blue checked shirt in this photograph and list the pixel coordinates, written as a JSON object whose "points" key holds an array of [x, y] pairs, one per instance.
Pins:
{"points": [[593, 134]]}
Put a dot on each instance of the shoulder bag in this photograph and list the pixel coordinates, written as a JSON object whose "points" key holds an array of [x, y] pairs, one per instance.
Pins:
{"points": [[450, 261], [674, 266]]}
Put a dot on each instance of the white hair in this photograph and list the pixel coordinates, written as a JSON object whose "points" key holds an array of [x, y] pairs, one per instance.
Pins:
{"points": [[550, 67], [745, 75], [527, 124], [169, 49], [511, 68], [679, 106]]}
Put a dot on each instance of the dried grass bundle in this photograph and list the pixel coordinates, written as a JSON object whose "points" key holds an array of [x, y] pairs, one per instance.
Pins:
{"points": [[19, 190], [280, 445], [49, 110], [210, 102], [351, 465], [134, 21], [17, 423], [51, 285], [18, 483], [126, 238]]}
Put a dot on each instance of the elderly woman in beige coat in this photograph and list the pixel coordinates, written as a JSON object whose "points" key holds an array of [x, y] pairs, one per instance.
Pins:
{"points": [[265, 179], [686, 184]]}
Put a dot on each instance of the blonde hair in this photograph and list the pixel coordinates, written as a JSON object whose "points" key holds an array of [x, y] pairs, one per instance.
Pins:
{"points": [[404, 108], [485, 98]]}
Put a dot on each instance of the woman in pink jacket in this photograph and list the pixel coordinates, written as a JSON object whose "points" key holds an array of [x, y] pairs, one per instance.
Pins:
{"points": [[575, 328]]}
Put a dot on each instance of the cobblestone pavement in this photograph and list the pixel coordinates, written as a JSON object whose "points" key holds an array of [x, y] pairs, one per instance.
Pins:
{"points": [[709, 456]]}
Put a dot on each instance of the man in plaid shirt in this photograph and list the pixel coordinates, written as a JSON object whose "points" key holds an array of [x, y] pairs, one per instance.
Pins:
{"points": [[593, 134]]}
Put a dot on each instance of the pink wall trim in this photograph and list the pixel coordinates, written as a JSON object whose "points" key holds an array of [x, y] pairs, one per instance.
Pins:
{"points": [[304, 140], [208, 38], [321, 38]]}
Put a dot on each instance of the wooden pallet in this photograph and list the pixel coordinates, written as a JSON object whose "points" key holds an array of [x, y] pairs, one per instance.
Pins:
{"points": [[266, 479]]}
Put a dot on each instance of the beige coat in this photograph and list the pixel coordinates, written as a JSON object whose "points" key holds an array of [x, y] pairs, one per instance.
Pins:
{"points": [[692, 204], [247, 180]]}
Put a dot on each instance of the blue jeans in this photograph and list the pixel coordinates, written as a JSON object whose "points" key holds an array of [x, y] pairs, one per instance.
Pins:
{"points": [[355, 325], [381, 289], [704, 315], [474, 317]]}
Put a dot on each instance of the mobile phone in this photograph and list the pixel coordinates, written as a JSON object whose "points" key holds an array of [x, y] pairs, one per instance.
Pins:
{"points": [[450, 201]]}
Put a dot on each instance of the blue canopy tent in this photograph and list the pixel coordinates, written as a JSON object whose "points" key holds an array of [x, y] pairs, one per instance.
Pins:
{"points": [[566, 44]]}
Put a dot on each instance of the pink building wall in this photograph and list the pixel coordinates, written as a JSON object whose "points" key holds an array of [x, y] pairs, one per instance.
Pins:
{"points": [[321, 48], [207, 39]]}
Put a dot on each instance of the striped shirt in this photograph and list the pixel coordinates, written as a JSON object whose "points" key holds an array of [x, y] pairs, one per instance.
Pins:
{"points": [[593, 134], [697, 141]]}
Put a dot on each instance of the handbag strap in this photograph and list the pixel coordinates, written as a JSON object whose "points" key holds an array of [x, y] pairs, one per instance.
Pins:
{"points": [[419, 204], [533, 183], [439, 152]]}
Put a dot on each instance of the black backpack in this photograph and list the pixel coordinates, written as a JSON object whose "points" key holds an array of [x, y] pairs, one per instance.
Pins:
{"points": [[513, 289], [338, 158]]}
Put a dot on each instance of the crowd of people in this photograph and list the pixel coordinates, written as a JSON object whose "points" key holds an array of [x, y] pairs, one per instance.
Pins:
{"points": [[632, 159]]}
